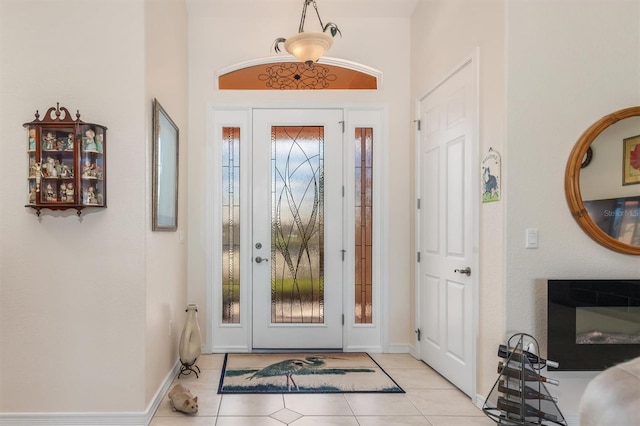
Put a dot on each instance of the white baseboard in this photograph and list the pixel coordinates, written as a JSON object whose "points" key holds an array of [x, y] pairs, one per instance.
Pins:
{"points": [[225, 349], [398, 349], [479, 401], [413, 351], [391, 349], [161, 392], [367, 349], [94, 419], [68, 419]]}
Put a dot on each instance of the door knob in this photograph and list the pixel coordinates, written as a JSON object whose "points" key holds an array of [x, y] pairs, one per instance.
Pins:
{"points": [[466, 271], [261, 259]]}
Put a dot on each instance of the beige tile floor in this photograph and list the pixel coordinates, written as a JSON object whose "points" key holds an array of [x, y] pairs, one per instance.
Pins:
{"points": [[429, 400]]}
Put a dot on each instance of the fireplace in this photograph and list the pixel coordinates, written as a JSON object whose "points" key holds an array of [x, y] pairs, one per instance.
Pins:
{"points": [[593, 324]]}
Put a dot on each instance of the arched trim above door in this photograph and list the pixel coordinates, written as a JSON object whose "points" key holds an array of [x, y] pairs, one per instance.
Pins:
{"points": [[285, 73]]}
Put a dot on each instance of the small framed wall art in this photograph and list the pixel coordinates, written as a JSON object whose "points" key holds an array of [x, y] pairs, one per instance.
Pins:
{"points": [[491, 177], [631, 161]]}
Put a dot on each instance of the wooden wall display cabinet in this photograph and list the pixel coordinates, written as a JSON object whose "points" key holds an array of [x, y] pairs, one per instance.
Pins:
{"points": [[67, 162]]}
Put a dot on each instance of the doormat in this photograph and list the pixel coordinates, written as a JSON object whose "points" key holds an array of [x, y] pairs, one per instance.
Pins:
{"points": [[304, 373]]}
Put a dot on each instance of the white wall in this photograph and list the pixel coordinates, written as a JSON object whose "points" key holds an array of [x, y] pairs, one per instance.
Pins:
{"points": [[216, 42], [85, 303], [72, 298], [444, 34], [166, 260], [548, 70], [569, 63]]}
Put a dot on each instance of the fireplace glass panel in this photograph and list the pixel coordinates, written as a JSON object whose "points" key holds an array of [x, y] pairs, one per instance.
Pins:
{"points": [[608, 325], [593, 324]]}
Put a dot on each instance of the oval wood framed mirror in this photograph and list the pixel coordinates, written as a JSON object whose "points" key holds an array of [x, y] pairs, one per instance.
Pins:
{"points": [[614, 205]]}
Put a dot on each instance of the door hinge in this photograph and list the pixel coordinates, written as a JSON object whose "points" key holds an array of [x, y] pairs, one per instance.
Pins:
{"points": [[418, 334], [342, 319], [417, 124], [418, 203], [343, 252], [342, 124], [418, 257], [342, 191]]}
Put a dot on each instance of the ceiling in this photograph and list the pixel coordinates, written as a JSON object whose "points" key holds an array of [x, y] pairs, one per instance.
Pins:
{"points": [[328, 8]]}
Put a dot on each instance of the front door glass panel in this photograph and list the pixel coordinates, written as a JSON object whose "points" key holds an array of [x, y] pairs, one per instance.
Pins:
{"points": [[297, 224]]}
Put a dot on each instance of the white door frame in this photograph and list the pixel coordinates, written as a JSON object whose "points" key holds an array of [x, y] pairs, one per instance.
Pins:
{"points": [[237, 337], [471, 60]]}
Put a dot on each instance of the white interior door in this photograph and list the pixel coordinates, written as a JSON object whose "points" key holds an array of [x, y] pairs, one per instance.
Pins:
{"points": [[297, 229], [447, 222]]}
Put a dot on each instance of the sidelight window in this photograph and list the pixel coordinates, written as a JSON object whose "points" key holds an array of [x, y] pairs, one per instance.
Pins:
{"points": [[231, 225], [363, 224]]}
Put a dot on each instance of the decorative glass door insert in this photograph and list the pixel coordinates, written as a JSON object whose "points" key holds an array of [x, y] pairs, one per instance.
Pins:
{"points": [[231, 225], [364, 225], [297, 240]]}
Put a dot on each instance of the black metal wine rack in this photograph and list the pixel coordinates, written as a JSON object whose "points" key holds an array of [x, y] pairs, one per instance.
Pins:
{"points": [[519, 395]]}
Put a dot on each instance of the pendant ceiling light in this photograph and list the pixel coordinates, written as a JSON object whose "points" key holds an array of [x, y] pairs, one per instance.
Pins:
{"points": [[309, 46]]}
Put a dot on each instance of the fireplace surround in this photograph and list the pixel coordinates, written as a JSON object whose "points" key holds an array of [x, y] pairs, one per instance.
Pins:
{"points": [[592, 324]]}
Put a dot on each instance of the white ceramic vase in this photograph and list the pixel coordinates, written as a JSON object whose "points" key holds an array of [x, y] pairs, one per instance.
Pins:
{"points": [[190, 342]]}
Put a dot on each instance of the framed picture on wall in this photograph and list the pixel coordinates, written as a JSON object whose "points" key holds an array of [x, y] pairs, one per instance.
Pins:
{"points": [[631, 161], [164, 170]]}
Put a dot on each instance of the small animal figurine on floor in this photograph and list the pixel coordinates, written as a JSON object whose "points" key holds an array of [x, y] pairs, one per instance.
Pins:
{"points": [[182, 400]]}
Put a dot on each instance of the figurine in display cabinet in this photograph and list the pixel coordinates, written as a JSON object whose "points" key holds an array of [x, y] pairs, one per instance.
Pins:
{"points": [[32, 139], [32, 168], [50, 168], [96, 172], [99, 143], [89, 196], [63, 192], [48, 142], [50, 194], [89, 143], [37, 172], [70, 191], [32, 195], [70, 140], [58, 167], [87, 169], [65, 171]]}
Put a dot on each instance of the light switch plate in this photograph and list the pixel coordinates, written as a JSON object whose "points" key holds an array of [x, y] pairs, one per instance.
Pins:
{"points": [[531, 238]]}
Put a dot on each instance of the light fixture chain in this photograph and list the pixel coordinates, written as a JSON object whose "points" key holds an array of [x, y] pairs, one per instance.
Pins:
{"points": [[304, 15], [315, 6]]}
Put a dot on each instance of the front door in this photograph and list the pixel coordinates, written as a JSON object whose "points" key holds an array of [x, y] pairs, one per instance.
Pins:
{"points": [[448, 214], [297, 229]]}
